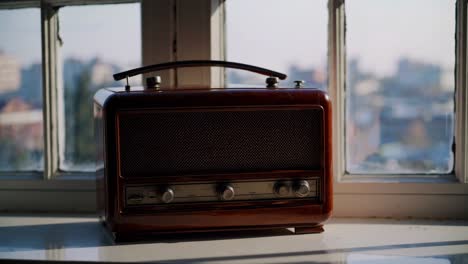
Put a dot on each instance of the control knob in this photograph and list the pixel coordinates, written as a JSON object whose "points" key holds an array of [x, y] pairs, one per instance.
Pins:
{"points": [[226, 192], [167, 195], [299, 84], [301, 188], [281, 189]]}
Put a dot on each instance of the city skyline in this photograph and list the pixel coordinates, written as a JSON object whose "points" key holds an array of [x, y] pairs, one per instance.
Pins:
{"points": [[379, 109]]}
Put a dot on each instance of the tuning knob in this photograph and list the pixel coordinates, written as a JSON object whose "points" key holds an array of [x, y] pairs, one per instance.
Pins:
{"points": [[153, 82], [167, 195], [272, 82], [301, 188], [299, 84], [281, 189], [226, 192]]}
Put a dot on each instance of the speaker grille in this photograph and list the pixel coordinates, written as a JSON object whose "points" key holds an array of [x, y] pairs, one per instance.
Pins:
{"points": [[190, 142]]}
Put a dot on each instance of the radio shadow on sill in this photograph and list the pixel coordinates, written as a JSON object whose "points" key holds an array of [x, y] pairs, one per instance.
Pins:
{"points": [[260, 258], [204, 236], [94, 234]]}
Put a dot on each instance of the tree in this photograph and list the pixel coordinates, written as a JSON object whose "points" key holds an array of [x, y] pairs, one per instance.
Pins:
{"points": [[79, 123]]}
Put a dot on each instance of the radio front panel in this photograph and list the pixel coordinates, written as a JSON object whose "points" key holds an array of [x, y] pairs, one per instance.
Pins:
{"points": [[136, 195]]}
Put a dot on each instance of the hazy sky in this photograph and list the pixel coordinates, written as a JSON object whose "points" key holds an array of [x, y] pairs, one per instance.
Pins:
{"points": [[109, 32], [274, 33], [21, 39], [269, 33], [418, 29]]}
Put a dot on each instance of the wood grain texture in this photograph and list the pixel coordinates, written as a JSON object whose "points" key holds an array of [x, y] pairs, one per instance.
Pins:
{"points": [[302, 214]]}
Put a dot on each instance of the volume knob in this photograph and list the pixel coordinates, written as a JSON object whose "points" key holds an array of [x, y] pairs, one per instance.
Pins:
{"points": [[226, 192], [281, 189], [167, 195], [301, 188]]}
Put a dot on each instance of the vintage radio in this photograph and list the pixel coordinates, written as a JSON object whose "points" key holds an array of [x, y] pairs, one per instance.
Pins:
{"points": [[212, 159]]}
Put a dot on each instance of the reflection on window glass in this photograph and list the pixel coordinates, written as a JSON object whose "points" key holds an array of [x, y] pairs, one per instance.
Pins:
{"points": [[21, 131], [98, 41], [286, 36], [400, 86]]}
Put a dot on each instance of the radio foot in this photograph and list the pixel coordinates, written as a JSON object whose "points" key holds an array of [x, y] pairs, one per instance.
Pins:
{"points": [[308, 229]]}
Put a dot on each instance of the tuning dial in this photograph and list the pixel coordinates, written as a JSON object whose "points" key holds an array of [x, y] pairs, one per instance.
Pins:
{"points": [[226, 192], [153, 82], [299, 84], [301, 188], [167, 195], [272, 82], [281, 189]]}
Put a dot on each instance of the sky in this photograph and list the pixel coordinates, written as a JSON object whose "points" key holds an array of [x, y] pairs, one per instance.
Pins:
{"points": [[269, 33], [418, 29], [109, 32], [275, 33]]}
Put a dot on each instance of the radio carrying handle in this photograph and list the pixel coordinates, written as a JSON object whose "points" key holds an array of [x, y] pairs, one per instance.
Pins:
{"points": [[197, 63]]}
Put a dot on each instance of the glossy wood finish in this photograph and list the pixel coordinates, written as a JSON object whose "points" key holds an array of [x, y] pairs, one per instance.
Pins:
{"points": [[302, 214]]}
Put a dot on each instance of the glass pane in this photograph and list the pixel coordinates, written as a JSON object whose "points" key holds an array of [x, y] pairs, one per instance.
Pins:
{"points": [[286, 36], [21, 131], [400, 86], [93, 49]]}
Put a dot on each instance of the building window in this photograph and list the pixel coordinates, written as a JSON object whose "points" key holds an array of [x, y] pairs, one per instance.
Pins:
{"points": [[21, 126], [286, 36], [400, 86]]}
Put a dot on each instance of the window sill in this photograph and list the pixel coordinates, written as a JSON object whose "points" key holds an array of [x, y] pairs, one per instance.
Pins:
{"points": [[76, 193], [81, 238], [399, 178], [66, 195]]}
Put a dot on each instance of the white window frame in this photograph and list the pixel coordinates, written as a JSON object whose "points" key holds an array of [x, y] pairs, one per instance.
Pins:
{"points": [[166, 27], [426, 196], [51, 190]]}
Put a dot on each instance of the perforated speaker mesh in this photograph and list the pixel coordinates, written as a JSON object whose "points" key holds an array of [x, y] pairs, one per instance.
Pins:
{"points": [[177, 143]]}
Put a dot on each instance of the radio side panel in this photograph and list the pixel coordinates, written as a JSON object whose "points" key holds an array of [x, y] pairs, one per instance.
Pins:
{"points": [[104, 155], [326, 103], [100, 157]]}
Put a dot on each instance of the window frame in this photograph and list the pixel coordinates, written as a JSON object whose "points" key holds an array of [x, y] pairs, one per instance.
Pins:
{"points": [[337, 73], [165, 24], [397, 195], [50, 190], [52, 92], [338, 64]]}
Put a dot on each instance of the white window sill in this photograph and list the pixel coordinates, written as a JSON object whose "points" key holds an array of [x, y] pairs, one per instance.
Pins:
{"points": [[344, 241], [76, 193]]}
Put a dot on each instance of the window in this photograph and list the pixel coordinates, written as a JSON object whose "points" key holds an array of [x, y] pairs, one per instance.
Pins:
{"points": [[262, 33], [363, 191], [21, 126], [288, 36], [400, 86], [80, 61]]}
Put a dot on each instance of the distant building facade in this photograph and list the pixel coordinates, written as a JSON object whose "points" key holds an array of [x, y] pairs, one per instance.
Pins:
{"points": [[10, 73]]}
